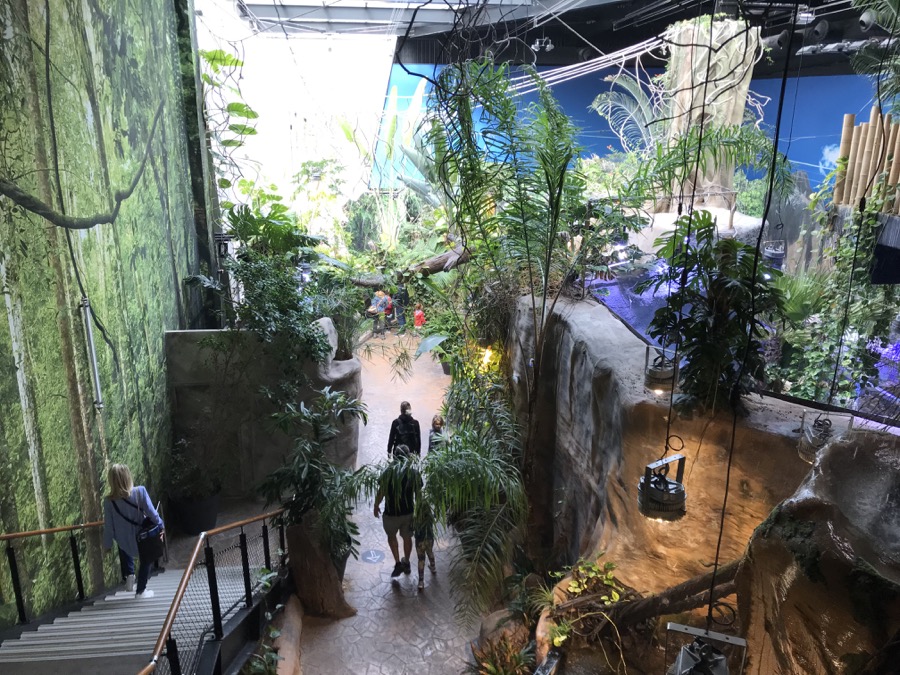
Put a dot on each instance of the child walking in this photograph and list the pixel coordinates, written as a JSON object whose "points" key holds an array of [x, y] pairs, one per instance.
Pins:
{"points": [[424, 533], [419, 316]]}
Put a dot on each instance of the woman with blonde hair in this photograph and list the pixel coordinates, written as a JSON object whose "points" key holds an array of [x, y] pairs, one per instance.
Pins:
{"points": [[436, 435], [124, 510]]}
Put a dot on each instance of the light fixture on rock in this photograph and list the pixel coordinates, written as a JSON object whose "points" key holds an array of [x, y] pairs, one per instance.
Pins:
{"points": [[659, 372], [815, 436]]}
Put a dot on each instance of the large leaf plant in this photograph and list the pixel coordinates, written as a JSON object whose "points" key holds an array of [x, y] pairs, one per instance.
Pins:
{"points": [[721, 296]]}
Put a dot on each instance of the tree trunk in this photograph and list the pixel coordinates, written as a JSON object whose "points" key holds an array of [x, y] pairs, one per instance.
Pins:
{"points": [[691, 594], [77, 401], [709, 72], [443, 262], [318, 586], [25, 384]]}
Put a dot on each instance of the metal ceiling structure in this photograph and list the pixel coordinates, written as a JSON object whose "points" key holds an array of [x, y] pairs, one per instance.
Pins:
{"points": [[399, 17], [821, 33]]}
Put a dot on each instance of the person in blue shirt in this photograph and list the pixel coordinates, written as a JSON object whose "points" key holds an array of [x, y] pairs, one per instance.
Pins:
{"points": [[124, 510]]}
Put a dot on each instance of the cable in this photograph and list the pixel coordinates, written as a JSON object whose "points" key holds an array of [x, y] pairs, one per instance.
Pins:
{"points": [[744, 360], [686, 243]]}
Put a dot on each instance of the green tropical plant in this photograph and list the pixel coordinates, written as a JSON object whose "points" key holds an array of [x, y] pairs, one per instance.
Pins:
{"points": [[715, 311], [308, 483], [829, 358], [589, 577], [229, 119], [560, 631], [665, 170], [502, 657], [637, 112], [273, 232], [750, 194]]}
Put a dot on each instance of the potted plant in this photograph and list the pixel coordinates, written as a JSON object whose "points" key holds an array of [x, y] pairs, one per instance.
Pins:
{"points": [[318, 498], [193, 486]]}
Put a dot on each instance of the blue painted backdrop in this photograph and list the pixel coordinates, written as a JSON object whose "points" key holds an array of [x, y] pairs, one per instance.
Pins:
{"points": [[810, 128]]}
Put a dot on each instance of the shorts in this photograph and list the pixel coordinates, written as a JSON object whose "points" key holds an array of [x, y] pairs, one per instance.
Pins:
{"points": [[401, 524]]}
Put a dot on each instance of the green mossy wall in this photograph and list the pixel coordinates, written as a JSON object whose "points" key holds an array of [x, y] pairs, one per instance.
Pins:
{"points": [[112, 65]]}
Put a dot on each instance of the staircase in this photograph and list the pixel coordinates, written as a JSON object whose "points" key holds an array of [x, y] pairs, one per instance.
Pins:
{"points": [[113, 636]]}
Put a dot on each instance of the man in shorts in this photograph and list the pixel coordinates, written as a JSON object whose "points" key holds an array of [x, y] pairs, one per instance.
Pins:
{"points": [[397, 486]]}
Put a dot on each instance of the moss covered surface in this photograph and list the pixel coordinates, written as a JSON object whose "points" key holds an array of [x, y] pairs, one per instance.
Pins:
{"points": [[800, 538], [73, 131]]}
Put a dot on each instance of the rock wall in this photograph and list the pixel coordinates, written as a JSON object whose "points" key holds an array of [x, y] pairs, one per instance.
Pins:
{"points": [[217, 381], [600, 426], [819, 590]]}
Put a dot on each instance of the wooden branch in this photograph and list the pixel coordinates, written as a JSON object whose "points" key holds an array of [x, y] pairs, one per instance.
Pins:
{"points": [[443, 262], [688, 595], [31, 203]]}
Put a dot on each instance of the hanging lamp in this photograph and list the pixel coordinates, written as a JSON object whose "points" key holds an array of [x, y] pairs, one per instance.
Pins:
{"points": [[708, 654], [660, 496]]}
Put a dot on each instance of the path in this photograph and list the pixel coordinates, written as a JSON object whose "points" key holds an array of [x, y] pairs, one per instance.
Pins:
{"points": [[398, 630]]}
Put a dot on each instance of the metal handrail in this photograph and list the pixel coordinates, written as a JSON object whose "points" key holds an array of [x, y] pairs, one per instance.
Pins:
{"points": [[185, 579], [10, 537], [51, 530]]}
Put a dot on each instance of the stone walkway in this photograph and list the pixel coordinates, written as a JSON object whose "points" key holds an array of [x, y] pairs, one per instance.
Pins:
{"points": [[398, 630]]}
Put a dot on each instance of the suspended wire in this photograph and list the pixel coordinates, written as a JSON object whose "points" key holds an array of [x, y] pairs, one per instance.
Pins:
{"points": [[749, 342], [686, 242]]}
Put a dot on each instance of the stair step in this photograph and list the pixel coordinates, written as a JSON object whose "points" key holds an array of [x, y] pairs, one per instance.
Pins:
{"points": [[76, 620], [96, 642], [121, 646], [73, 653], [76, 629], [119, 625]]}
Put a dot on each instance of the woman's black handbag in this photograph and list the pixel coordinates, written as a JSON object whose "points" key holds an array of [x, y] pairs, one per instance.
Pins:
{"points": [[149, 538]]}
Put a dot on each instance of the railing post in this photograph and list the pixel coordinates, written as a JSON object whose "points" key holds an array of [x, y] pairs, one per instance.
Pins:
{"points": [[213, 591], [76, 563], [267, 554], [245, 564], [16, 582], [281, 541], [172, 656]]}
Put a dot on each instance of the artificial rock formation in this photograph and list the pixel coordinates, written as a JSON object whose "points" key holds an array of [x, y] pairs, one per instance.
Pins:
{"points": [[600, 426], [819, 590], [217, 381]]}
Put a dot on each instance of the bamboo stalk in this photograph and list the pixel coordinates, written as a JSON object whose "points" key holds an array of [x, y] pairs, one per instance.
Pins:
{"points": [[894, 175], [851, 165], [844, 153], [861, 155], [876, 123], [888, 164], [888, 129]]}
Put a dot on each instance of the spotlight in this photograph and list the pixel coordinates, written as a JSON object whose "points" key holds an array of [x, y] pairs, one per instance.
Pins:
{"points": [[222, 244], [813, 437], [708, 654], [699, 658], [818, 32], [659, 496], [660, 371], [868, 20], [544, 43], [776, 41]]}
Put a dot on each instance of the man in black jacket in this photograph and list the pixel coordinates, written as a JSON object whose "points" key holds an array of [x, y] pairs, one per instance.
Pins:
{"points": [[401, 302], [405, 431]]}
